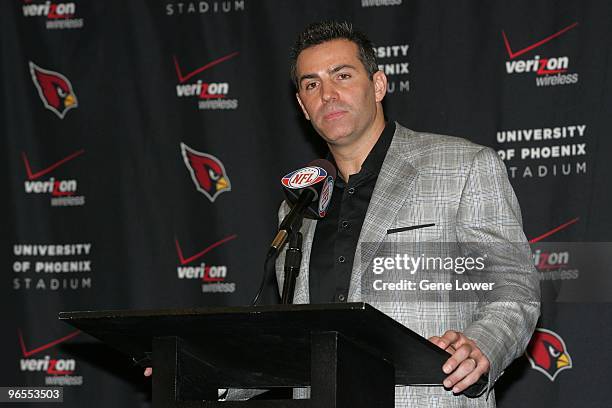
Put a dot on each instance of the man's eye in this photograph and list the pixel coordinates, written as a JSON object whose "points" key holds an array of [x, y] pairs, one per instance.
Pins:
{"points": [[344, 76], [311, 85]]}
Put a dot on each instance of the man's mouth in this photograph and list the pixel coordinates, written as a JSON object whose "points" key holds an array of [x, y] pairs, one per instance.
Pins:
{"points": [[334, 115]]}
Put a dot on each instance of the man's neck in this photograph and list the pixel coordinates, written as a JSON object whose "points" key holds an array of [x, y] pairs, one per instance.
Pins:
{"points": [[350, 158]]}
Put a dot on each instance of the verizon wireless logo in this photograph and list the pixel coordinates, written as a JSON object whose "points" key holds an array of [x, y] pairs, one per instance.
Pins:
{"points": [[58, 371], [212, 277], [211, 95], [57, 15], [63, 191], [548, 70], [551, 263]]}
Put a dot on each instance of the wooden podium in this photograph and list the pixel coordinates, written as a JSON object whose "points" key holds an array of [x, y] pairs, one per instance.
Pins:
{"points": [[351, 355]]}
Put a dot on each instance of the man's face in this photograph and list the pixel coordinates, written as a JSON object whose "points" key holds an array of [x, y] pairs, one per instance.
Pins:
{"points": [[335, 92]]}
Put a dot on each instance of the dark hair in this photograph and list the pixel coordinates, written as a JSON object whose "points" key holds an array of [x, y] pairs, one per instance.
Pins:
{"points": [[321, 32]]}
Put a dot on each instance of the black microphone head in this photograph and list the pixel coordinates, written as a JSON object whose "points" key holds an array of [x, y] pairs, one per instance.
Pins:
{"points": [[319, 176]]}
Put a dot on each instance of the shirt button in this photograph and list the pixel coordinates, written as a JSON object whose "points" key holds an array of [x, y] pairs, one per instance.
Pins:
{"points": [[351, 190], [344, 224], [341, 297], [341, 259]]}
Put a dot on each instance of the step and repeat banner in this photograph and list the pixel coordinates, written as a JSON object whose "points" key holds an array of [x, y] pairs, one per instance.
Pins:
{"points": [[143, 144]]}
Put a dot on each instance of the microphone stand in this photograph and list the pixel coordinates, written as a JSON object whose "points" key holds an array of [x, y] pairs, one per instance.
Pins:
{"points": [[289, 230], [293, 260]]}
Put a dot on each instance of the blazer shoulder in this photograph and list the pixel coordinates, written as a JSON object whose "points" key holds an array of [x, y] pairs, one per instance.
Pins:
{"points": [[423, 148]]}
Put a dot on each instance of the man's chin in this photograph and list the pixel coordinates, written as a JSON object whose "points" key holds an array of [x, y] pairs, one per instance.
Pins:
{"points": [[336, 135]]}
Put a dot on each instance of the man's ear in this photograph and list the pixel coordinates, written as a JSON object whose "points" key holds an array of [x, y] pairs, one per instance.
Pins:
{"points": [[380, 85], [302, 106]]}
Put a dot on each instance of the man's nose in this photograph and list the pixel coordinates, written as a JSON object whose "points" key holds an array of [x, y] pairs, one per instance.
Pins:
{"points": [[328, 91]]}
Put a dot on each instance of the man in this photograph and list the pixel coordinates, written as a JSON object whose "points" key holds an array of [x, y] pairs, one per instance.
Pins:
{"points": [[443, 189], [391, 177]]}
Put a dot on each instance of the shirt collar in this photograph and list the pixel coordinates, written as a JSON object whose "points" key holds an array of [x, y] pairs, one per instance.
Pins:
{"points": [[373, 163]]}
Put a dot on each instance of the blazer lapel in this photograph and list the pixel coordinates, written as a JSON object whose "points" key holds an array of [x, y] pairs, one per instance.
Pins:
{"points": [[302, 285], [391, 190]]}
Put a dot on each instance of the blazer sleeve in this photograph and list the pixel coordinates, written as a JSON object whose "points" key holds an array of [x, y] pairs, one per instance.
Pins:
{"points": [[489, 216]]}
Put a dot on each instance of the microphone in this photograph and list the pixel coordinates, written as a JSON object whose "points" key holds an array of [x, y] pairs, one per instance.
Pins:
{"points": [[308, 190]]}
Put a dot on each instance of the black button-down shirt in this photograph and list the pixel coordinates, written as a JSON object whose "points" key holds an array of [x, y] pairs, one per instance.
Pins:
{"points": [[336, 235]]}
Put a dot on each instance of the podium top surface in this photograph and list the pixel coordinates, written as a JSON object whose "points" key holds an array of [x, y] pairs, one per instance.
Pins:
{"points": [[271, 341]]}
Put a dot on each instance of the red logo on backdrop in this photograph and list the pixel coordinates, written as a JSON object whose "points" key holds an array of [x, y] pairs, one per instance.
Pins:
{"points": [[548, 70], [212, 277], [211, 95], [58, 15], [207, 172], [55, 186], [48, 9], [63, 191], [554, 230], [59, 369], [513, 54], [548, 353], [54, 89], [554, 260]]}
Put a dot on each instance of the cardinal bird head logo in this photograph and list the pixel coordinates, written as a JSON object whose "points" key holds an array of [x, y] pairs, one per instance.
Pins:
{"points": [[207, 172], [547, 353], [54, 89]]}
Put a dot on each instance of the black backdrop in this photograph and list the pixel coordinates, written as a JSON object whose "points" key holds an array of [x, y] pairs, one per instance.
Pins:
{"points": [[118, 221]]}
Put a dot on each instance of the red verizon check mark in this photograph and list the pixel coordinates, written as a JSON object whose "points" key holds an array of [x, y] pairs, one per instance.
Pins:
{"points": [[34, 176], [513, 54], [554, 230], [28, 353], [200, 254], [182, 78]]}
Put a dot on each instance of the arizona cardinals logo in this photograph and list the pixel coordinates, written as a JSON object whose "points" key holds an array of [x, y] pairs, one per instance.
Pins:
{"points": [[54, 89], [547, 353], [207, 172]]}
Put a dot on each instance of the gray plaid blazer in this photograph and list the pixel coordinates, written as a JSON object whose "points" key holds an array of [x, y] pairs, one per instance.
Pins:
{"points": [[463, 189]]}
